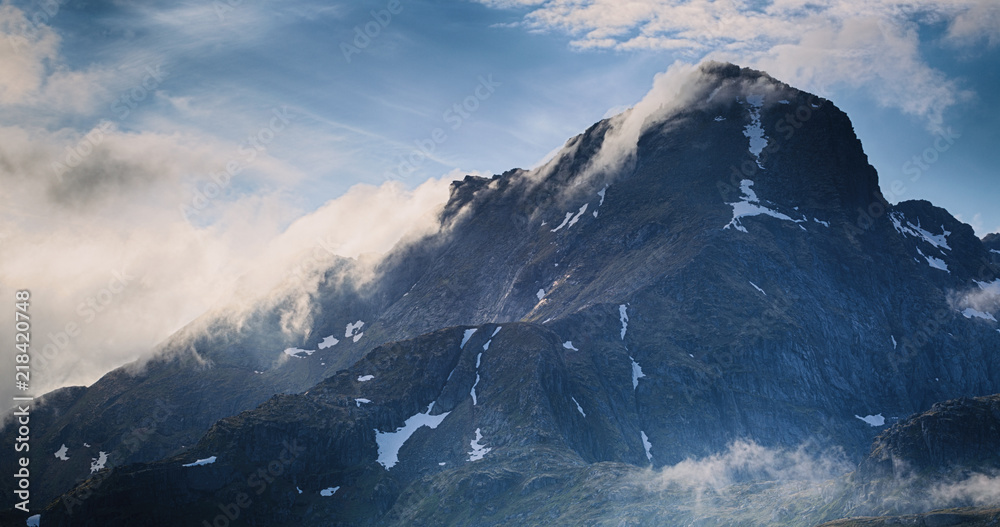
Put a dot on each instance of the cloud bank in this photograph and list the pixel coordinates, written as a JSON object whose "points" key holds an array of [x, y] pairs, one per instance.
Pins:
{"points": [[121, 236], [875, 46]]}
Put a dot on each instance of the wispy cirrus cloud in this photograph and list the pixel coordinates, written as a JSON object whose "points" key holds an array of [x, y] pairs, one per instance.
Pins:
{"points": [[819, 46]]}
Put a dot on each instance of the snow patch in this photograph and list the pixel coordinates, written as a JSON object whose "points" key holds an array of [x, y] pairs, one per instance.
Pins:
{"points": [[478, 450], [329, 491], [975, 313], [600, 194], [873, 420], [362, 401], [354, 330], [578, 407], [61, 453], [34, 521], [389, 443], [719, 118], [467, 336], [328, 342], [893, 341], [757, 288], [200, 462], [540, 294], [750, 206], [936, 263], [365, 378], [298, 489], [97, 463], [298, 353], [495, 331], [821, 222], [569, 345], [937, 240], [647, 446]]}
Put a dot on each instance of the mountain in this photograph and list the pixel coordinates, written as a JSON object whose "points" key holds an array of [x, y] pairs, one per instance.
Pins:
{"points": [[711, 284]]}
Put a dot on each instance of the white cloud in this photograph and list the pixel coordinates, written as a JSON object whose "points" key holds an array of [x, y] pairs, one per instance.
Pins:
{"points": [[746, 460], [815, 45], [115, 267], [32, 74], [978, 489], [984, 298]]}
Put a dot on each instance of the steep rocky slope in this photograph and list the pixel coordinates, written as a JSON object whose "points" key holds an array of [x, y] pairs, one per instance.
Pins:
{"points": [[730, 273]]}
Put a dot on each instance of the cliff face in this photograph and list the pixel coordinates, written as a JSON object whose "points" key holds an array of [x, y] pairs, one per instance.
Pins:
{"points": [[730, 272], [957, 434]]}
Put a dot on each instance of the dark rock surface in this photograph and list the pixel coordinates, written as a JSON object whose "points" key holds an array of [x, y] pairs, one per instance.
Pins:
{"points": [[784, 327]]}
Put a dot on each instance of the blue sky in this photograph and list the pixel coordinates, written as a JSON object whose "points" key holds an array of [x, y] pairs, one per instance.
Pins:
{"points": [[226, 62], [156, 99]]}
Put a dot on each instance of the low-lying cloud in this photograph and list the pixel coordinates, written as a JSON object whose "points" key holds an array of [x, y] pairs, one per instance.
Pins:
{"points": [[983, 300], [978, 490]]}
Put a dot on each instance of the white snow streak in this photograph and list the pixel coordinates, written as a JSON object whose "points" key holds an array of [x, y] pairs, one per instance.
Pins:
{"points": [[200, 462], [636, 373], [754, 131], [601, 193], [623, 316], [467, 336], [578, 214], [937, 240], [936, 263], [569, 215]]}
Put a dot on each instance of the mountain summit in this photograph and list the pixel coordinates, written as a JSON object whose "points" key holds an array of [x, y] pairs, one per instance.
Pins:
{"points": [[713, 274]]}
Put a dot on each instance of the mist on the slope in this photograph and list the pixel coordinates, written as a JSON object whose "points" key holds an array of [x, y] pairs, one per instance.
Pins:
{"points": [[116, 259]]}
